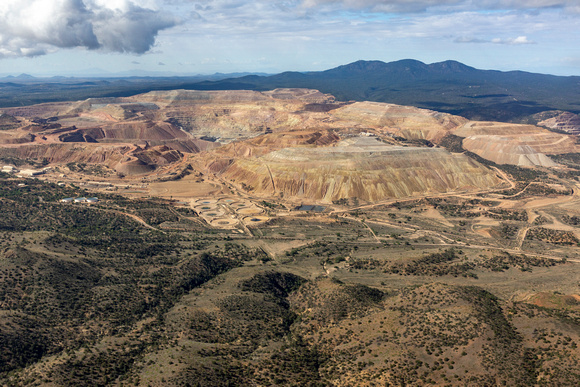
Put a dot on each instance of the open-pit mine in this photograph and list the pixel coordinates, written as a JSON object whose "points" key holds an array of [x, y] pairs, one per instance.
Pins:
{"points": [[285, 238], [292, 144]]}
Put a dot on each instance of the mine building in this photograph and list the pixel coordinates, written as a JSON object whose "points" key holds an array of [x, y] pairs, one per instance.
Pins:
{"points": [[9, 169], [30, 172]]}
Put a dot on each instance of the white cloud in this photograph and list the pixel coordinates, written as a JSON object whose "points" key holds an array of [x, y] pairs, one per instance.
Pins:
{"points": [[403, 6], [383, 5], [525, 4], [510, 41], [513, 41], [467, 39], [36, 27]]}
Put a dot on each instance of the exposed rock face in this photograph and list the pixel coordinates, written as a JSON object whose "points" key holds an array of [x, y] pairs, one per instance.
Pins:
{"points": [[261, 145], [566, 121], [160, 155], [134, 167], [524, 145], [68, 152], [362, 168], [237, 115], [76, 137], [404, 121], [7, 122], [305, 95], [140, 130], [502, 150], [55, 131], [179, 97], [16, 138], [137, 134], [193, 145]]}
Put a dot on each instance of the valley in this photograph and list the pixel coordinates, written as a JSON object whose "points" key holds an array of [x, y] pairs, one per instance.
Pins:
{"points": [[285, 238]]}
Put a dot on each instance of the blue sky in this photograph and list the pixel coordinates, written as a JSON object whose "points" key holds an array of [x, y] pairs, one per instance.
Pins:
{"points": [[179, 37]]}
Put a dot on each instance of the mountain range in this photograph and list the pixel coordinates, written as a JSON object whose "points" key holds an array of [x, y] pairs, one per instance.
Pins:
{"points": [[449, 86]]}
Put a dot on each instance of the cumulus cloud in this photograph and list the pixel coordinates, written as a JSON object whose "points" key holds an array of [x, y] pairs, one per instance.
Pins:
{"points": [[36, 27]]}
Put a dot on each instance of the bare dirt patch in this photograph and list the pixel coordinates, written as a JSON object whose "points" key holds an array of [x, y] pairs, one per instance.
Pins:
{"points": [[182, 189], [432, 213]]}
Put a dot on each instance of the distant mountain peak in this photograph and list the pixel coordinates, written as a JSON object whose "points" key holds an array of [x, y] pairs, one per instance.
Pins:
{"points": [[361, 65], [404, 65], [24, 76], [451, 66]]}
